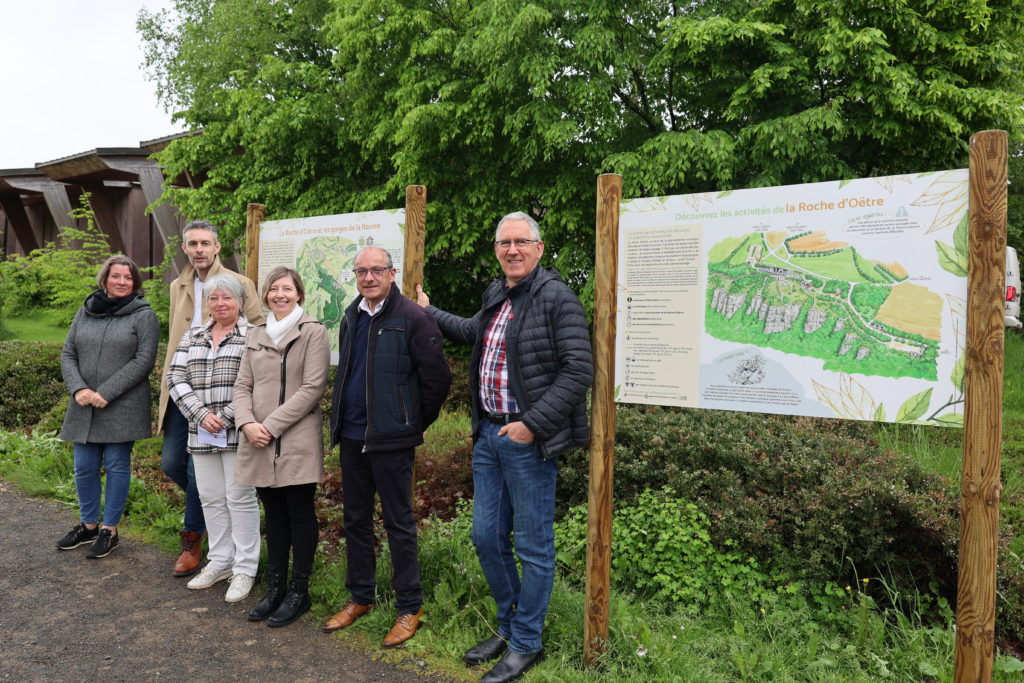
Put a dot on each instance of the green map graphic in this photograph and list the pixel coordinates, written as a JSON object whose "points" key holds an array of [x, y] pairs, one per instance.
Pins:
{"points": [[806, 295], [321, 261]]}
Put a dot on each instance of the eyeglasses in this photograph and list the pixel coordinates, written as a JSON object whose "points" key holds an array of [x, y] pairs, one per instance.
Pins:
{"points": [[376, 271], [520, 244]]}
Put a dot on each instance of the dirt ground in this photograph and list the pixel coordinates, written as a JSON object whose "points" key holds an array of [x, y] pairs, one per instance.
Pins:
{"points": [[125, 618]]}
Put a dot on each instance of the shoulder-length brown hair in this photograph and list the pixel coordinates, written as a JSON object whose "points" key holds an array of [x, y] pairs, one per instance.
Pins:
{"points": [[278, 273], [119, 260]]}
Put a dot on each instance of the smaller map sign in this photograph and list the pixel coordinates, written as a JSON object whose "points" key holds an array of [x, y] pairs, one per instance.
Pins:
{"points": [[840, 299], [323, 249]]}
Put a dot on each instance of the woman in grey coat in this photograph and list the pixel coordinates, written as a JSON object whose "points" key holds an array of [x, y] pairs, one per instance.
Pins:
{"points": [[107, 357]]}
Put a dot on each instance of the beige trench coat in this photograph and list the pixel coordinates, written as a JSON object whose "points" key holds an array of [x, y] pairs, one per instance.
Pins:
{"points": [[290, 413]]}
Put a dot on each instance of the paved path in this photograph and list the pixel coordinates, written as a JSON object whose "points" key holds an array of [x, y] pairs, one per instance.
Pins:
{"points": [[125, 618]]}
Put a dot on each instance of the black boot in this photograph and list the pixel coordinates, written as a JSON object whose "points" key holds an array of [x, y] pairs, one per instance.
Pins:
{"points": [[277, 580], [295, 603]]}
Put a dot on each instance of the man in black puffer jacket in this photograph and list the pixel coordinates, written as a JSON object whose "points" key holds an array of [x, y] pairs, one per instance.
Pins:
{"points": [[530, 369]]}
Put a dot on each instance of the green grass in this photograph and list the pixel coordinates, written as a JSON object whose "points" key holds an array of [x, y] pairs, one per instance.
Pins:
{"points": [[35, 326]]}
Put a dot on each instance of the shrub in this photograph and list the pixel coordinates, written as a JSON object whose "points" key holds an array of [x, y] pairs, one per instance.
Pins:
{"points": [[819, 489], [30, 382], [663, 550]]}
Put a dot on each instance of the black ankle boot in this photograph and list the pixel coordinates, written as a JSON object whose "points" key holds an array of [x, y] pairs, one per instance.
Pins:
{"points": [[277, 581], [295, 603]]}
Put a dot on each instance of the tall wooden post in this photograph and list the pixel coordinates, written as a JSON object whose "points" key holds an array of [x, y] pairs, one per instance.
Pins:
{"points": [[415, 233], [983, 417], [602, 425], [254, 214]]}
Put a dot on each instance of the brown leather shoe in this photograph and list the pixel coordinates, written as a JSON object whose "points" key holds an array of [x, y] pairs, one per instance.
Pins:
{"points": [[404, 629], [348, 614], [191, 554]]}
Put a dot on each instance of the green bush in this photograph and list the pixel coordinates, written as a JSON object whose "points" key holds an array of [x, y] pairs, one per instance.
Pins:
{"points": [[30, 382], [663, 550], [821, 490]]}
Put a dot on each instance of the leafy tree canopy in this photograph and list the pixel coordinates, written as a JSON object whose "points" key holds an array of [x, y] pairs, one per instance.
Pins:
{"points": [[318, 106]]}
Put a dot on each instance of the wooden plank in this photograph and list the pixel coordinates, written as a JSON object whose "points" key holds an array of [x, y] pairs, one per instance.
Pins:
{"points": [[415, 235], [56, 197], [151, 179], [15, 211], [103, 214], [254, 214], [602, 425], [983, 417]]}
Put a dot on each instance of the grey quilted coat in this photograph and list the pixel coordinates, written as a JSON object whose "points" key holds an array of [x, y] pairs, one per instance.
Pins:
{"points": [[112, 354], [550, 361]]}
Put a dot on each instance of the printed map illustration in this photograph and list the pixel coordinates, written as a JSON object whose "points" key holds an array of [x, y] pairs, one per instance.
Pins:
{"points": [[808, 295], [325, 264]]}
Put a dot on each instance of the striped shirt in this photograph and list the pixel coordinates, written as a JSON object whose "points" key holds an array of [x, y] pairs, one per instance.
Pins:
{"points": [[201, 380], [495, 395]]}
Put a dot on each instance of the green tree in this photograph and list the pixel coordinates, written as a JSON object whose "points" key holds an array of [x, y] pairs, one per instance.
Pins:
{"points": [[499, 105]]}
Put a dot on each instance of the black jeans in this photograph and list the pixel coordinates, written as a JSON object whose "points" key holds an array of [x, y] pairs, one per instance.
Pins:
{"points": [[291, 526], [388, 473]]}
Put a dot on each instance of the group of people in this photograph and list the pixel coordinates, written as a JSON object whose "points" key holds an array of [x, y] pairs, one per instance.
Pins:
{"points": [[239, 408]]}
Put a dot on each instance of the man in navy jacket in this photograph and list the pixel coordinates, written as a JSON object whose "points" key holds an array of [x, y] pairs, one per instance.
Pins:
{"points": [[392, 379]]}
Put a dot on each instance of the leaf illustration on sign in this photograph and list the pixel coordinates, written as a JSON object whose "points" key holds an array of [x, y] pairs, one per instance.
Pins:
{"points": [[887, 183], [850, 400], [696, 200], [915, 406], [949, 193], [644, 205]]}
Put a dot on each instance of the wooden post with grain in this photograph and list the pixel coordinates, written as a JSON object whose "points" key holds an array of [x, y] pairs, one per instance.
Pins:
{"points": [[602, 424], [983, 417], [415, 234], [254, 214]]}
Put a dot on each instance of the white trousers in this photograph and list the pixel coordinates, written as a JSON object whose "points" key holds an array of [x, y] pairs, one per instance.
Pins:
{"points": [[231, 511]]}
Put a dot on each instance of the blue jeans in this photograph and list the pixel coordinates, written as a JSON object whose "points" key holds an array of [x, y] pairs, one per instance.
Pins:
{"points": [[514, 494], [116, 459], [176, 462]]}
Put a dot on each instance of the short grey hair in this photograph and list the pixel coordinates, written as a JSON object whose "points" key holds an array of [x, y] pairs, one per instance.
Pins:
{"points": [[373, 246], [519, 216], [199, 225], [224, 283]]}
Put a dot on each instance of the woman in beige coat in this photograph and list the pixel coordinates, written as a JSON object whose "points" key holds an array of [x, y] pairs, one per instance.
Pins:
{"points": [[277, 396]]}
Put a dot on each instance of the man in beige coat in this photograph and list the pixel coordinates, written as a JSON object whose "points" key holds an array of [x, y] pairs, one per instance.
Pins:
{"points": [[188, 310]]}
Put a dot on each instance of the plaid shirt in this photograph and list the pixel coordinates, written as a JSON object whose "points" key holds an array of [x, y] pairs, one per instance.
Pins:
{"points": [[495, 396], [201, 380]]}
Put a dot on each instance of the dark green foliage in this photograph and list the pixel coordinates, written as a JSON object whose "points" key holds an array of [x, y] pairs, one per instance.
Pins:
{"points": [[30, 382], [869, 298], [816, 494]]}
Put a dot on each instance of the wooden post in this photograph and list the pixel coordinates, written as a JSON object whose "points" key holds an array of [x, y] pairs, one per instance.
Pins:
{"points": [[983, 417], [602, 425], [415, 233], [254, 214]]}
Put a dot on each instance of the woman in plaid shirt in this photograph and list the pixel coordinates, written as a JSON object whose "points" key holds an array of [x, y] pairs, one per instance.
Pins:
{"points": [[201, 381]]}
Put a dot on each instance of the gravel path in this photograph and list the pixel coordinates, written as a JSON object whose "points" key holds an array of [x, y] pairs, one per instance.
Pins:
{"points": [[125, 618]]}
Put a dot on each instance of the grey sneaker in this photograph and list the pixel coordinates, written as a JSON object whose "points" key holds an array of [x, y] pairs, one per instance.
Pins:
{"points": [[209, 576], [80, 535], [239, 589], [104, 544]]}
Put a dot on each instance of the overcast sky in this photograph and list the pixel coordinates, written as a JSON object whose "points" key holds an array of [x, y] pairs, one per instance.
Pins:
{"points": [[73, 80]]}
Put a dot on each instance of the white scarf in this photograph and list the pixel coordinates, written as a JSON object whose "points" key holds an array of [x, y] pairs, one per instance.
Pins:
{"points": [[276, 329]]}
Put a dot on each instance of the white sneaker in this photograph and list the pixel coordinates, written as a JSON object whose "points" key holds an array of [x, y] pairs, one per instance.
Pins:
{"points": [[239, 589], [209, 576]]}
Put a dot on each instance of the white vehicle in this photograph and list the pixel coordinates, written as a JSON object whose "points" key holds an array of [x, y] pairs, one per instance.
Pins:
{"points": [[1011, 312]]}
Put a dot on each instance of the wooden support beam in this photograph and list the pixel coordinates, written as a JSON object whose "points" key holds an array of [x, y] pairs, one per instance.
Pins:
{"points": [[602, 423], [16, 214], [151, 179], [56, 197], [415, 236], [254, 214], [983, 416], [103, 214]]}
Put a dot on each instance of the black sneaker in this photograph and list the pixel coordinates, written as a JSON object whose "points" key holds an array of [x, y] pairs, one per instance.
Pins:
{"points": [[103, 545], [80, 535]]}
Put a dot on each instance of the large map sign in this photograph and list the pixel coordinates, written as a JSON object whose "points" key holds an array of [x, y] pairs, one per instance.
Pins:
{"points": [[323, 250], [840, 299]]}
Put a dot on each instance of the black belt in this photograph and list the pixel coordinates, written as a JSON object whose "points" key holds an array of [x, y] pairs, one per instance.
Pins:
{"points": [[503, 418]]}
